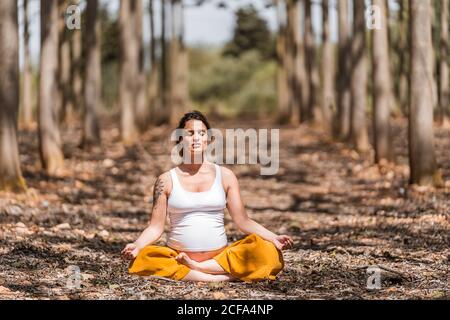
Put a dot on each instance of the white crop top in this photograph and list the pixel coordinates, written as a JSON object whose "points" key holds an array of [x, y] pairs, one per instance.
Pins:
{"points": [[196, 218]]}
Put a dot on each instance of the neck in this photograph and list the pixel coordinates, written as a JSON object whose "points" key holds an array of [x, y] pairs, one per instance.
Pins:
{"points": [[196, 162]]}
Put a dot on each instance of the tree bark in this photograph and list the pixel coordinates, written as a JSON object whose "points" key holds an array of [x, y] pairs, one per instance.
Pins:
{"points": [[358, 128], [404, 57], [295, 53], [129, 69], [152, 89], [92, 81], [10, 174], [49, 136], [327, 101], [342, 128], [382, 88], [178, 63], [64, 64], [282, 73], [76, 79], [313, 112], [141, 77], [421, 138], [27, 104], [444, 86]]}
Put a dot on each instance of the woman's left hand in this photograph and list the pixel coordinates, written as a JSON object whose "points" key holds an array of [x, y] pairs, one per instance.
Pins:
{"points": [[283, 242]]}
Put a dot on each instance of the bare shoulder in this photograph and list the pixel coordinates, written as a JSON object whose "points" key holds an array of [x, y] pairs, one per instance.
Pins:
{"points": [[228, 177], [163, 183]]}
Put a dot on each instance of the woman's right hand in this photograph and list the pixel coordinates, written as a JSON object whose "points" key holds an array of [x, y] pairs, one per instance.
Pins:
{"points": [[130, 251]]}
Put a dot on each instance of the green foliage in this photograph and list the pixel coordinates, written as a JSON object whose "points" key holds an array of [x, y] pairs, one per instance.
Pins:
{"points": [[250, 33], [232, 85]]}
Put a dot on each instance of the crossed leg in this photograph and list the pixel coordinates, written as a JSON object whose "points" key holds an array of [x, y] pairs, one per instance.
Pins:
{"points": [[208, 270], [198, 276]]}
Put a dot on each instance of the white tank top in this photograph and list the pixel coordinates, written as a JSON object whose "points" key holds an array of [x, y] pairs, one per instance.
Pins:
{"points": [[196, 218]]}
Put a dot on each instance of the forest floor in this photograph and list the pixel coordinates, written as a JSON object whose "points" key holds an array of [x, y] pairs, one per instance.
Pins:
{"points": [[344, 213]]}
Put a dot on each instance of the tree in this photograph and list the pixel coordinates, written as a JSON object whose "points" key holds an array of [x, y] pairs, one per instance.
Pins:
{"points": [[64, 101], [422, 157], [178, 63], [404, 59], [162, 114], [129, 70], [10, 173], [49, 136], [358, 128], [382, 91], [250, 32], [283, 94], [311, 65], [152, 82], [296, 64], [76, 71], [27, 104], [342, 128], [141, 77], [327, 101], [92, 81], [444, 101]]}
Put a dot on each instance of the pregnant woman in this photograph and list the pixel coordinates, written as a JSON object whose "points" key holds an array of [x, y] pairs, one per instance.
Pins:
{"points": [[195, 195]]}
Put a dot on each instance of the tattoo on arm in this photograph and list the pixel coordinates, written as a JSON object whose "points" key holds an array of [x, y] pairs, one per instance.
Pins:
{"points": [[157, 190]]}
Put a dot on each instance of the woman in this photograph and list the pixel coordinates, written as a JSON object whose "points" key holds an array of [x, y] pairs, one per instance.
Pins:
{"points": [[195, 194]]}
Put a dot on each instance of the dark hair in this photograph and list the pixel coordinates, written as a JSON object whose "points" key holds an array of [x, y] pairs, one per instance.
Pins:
{"points": [[193, 115]]}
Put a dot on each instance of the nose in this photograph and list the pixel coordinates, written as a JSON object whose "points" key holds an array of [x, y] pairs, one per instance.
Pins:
{"points": [[196, 136]]}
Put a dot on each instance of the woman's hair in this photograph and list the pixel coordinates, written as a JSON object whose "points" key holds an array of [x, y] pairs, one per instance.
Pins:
{"points": [[193, 115]]}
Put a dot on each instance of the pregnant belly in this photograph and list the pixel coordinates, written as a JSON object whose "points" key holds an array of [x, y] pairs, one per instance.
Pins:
{"points": [[200, 256]]}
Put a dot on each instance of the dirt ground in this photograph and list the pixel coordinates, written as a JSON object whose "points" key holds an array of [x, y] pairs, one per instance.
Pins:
{"points": [[344, 214]]}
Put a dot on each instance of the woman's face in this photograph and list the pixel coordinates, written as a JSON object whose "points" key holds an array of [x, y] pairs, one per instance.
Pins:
{"points": [[196, 136]]}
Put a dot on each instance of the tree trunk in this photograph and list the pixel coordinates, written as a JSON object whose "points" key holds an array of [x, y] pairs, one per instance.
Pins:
{"points": [[328, 75], [162, 108], [404, 57], [141, 107], [342, 128], [282, 73], [358, 128], [421, 138], [295, 53], [152, 90], [382, 90], [92, 81], [76, 79], [64, 67], [434, 29], [313, 112], [444, 102], [49, 135], [27, 105], [178, 61], [129, 70], [10, 174]]}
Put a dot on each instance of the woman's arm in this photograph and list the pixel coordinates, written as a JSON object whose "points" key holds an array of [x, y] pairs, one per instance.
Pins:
{"points": [[239, 215], [158, 218]]}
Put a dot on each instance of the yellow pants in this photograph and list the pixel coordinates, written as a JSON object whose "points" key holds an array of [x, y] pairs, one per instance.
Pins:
{"points": [[249, 259]]}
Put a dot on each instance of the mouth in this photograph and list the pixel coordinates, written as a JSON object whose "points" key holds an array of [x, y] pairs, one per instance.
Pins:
{"points": [[196, 145]]}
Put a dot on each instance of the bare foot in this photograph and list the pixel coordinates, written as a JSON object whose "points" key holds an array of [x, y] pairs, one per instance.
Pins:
{"points": [[183, 258]]}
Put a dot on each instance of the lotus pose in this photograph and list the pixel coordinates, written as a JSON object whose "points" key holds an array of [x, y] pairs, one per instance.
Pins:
{"points": [[195, 195]]}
